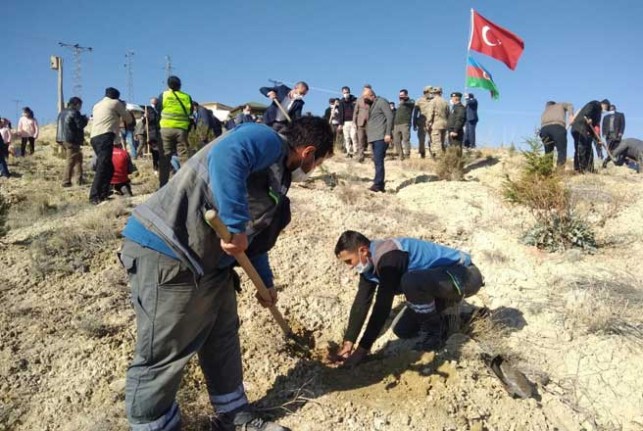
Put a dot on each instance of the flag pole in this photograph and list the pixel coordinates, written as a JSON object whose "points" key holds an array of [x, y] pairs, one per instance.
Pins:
{"points": [[466, 63]]}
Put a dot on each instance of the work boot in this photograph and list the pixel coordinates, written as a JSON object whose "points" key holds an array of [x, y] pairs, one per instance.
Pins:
{"points": [[245, 420], [430, 333]]}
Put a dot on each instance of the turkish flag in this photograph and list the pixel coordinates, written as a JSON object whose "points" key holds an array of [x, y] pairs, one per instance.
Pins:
{"points": [[497, 42]]}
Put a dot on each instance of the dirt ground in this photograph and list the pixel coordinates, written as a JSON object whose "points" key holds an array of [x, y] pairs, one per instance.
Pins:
{"points": [[570, 321]]}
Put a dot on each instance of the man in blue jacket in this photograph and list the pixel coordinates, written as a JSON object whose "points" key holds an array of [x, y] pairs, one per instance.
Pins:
{"points": [[292, 101], [180, 271], [430, 276]]}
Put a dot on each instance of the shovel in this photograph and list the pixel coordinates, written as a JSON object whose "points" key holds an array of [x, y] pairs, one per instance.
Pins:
{"points": [[302, 343]]}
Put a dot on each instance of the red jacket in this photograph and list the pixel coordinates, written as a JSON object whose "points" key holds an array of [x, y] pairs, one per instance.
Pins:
{"points": [[122, 166]]}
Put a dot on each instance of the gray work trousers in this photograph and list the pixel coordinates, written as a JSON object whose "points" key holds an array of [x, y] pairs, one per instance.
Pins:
{"points": [[176, 317], [174, 142], [430, 291]]}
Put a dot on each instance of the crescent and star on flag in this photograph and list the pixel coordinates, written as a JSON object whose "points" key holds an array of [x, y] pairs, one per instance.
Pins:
{"points": [[485, 37], [490, 39]]}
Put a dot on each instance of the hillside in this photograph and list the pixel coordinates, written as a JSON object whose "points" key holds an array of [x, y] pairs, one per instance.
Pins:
{"points": [[570, 321]]}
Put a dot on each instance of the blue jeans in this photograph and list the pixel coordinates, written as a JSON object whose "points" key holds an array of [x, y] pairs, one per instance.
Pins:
{"points": [[379, 152], [127, 137]]}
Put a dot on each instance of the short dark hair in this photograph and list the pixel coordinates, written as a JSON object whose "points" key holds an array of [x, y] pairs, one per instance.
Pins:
{"points": [[112, 93], [549, 103], [345, 87], [195, 103], [27, 110], [368, 86], [612, 107], [74, 101], [303, 84], [174, 83], [350, 240], [311, 130], [331, 100], [405, 91]]}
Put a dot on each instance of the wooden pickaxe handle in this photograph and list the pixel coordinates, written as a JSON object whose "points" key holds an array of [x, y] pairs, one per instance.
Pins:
{"points": [[221, 229], [598, 138], [281, 108]]}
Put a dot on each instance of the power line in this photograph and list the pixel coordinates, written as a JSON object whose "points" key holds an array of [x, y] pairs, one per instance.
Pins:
{"points": [[78, 78], [129, 65]]}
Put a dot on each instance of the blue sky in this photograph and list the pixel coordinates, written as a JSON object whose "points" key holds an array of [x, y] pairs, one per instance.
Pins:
{"points": [[575, 51]]}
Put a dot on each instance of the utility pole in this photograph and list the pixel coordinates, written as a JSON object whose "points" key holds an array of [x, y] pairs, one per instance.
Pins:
{"points": [[129, 65], [17, 102], [56, 63], [77, 50], [168, 67]]}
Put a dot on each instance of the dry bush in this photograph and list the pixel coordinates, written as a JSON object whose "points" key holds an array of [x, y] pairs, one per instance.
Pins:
{"points": [[607, 304], [92, 326], [4, 215], [594, 199], [422, 165], [349, 194], [73, 249], [495, 256], [541, 189], [450, 166]]}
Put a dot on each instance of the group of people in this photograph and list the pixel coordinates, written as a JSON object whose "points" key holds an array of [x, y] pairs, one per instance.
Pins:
{"points": [[373, 120], [183, 281], [27, 131], [587, 129]]}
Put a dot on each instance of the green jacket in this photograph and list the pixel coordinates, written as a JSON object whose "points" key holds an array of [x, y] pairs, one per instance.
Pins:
{"points": [[404, 113]]}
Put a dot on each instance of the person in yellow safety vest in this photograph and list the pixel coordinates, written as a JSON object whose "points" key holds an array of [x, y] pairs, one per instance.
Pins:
{"points": [[175, 108]]}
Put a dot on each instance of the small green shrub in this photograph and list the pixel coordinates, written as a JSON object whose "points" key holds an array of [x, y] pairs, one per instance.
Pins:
{"points": [[199, 137], [560, 234], [541, 189]]}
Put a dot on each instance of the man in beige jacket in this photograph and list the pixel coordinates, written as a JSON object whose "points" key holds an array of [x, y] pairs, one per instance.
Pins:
{"points": [[436, 121], [360, 118]]}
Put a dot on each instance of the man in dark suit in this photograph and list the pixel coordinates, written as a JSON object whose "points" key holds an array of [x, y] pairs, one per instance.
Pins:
{"points": [[456, 120], [613, 127], [472, 120], [585, 120], [292, 101], [208, 122]]}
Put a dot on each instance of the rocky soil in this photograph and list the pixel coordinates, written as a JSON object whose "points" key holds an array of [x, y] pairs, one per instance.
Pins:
{"points": [[570, 321]]}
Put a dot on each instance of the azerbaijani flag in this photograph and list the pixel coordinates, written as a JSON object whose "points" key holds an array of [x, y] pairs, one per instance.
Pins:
{"points": [[478, 76]]}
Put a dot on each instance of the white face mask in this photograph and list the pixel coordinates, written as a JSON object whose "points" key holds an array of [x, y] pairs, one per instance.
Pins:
{"points": [[361, 268], [299, 176]]}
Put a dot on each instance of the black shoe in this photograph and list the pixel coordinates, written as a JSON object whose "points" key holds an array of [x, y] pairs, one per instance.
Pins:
{"points": [[422, 155], [376, 189], [66, 184], [244, 421], [360, 159], [95, 201], [430, 334]]}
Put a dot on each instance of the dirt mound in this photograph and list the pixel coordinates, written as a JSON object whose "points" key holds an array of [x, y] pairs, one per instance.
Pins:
{"points": [[569, 320]]}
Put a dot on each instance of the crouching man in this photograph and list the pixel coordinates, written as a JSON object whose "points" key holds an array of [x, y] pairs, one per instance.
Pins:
{"points": [[432, 277]]}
